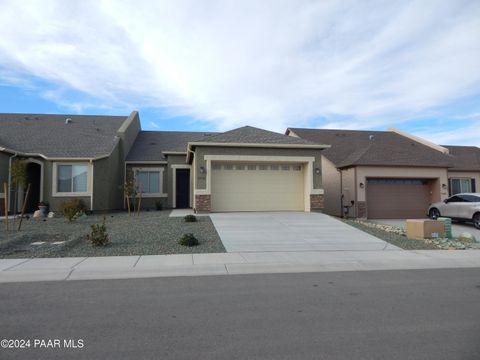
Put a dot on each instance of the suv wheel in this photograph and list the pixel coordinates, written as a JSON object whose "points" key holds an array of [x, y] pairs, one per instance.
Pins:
{"points": [[476, 220], [434, 214]]}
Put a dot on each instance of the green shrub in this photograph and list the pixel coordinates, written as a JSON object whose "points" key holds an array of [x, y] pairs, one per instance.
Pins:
{"points": [[158, 205], [188, 240], [99, 235], [72, 209], [190, 218]]}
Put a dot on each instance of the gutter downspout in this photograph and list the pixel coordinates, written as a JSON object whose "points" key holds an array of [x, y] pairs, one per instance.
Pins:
{"points": [[91, 193], [342, 212]]}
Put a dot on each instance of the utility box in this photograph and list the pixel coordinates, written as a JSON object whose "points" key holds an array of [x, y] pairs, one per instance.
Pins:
{"points": [[423, 229]]}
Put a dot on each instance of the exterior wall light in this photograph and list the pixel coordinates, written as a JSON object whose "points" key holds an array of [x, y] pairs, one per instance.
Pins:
{"points": [[202, 170], [317, 171], [362, 185], [444, 186]]}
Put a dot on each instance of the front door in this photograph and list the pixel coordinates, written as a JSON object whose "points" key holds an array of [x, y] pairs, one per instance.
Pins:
{"points": [[34, 173], [182, 186]]}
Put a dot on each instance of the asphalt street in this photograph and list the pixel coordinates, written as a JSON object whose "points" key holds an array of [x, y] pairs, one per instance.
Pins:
{"points": [[411, 314]]}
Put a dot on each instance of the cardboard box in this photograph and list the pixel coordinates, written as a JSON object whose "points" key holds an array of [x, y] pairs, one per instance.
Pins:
{"points": [[424, 228]]}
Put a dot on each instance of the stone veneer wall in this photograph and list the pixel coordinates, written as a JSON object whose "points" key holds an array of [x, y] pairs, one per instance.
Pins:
{"points": [[203, 203], [316, 202], [361, 209]]}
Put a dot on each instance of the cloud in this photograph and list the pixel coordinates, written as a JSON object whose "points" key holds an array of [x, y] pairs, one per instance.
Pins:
{"points": [[265, 63]]}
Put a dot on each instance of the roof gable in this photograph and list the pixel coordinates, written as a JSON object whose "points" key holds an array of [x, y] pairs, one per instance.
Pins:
{"points": [[53, 136], [375, 148], [253, 135]]}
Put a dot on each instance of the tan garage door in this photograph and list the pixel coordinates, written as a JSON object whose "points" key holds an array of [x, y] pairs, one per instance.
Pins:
{"points": [[397, 198], [257, 187]]}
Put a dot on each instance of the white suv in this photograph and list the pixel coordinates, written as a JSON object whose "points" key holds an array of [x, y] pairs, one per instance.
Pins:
{"points": [[463, 207]]}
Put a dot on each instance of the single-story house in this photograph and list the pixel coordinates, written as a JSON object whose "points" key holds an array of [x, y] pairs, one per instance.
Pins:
{"points": [[379, 174], [245, 169], [374, 174], [90, 157], [464, 175], [68, 156]]}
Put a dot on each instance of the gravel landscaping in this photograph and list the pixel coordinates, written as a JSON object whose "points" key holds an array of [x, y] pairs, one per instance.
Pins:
{"points": [[397, 236], [152, 233]]}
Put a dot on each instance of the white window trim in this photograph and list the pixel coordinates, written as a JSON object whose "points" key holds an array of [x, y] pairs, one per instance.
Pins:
{"points": [[55, 193], [161, 194]]}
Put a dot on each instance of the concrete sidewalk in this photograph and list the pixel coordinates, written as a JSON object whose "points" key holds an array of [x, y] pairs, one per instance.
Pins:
{"points": [[124, 267]]}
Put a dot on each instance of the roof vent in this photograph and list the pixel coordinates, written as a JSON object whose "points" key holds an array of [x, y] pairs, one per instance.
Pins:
{"points": [[371, 137], [68, 121]]}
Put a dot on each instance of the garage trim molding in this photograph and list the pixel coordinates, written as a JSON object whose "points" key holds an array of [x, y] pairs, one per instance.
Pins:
{"points": [[308, 160]]}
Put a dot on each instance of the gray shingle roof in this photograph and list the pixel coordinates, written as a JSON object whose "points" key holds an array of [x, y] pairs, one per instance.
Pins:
{"points": [[149, 145], [253, 135], [466, 158], [376, 148], [86, 136]]}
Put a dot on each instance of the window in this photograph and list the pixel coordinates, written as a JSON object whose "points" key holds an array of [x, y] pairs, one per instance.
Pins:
{"points": [[470, 198], [262, 167], [252, 167], [228, 167], [149, 181], [239, 167], [285, 167], [216, 167], [72, 178], [274, 167], [455, 199], [297, 167], [461, 185]]}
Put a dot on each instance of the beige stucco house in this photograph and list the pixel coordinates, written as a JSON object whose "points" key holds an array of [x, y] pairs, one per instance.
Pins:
{"points": [[381, 174]]}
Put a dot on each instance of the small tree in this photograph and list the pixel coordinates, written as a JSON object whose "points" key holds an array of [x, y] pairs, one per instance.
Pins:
{"points": [[18, 173], [129, 189]]}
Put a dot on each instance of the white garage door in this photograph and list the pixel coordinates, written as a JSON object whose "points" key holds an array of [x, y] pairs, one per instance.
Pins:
{"points": [[257, 187]]}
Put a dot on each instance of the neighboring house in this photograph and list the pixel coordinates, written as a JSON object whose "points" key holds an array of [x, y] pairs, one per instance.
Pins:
{"points": [[245, 169], [464, 175], [380, 174], [72, 156]]}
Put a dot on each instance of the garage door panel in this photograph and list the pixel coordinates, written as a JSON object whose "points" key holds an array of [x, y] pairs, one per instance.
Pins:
{"points": [[397, 198], [257, 190]]}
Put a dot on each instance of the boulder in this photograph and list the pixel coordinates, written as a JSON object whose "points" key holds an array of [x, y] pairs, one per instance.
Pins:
{"points": [[467, 237], [37, 214]]}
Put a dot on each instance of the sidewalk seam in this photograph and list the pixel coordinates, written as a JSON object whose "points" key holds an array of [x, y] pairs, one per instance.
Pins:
{"points": [[136, 262], [70, 273], [11, 267], [73, 266]]}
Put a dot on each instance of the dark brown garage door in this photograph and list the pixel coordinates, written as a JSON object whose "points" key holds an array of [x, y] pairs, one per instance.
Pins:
{"points": [[397, 198]]}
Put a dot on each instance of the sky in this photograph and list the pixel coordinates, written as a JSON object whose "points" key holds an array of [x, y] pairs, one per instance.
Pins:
{"points": [[217, 65]]}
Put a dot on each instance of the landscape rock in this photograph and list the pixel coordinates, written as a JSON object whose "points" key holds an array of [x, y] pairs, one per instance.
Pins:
{"points": [[37, 214], [467, 237]]}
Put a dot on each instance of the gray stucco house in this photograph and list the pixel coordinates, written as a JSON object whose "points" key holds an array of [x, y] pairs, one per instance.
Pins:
{"points": [[69, 156], [89, 157]]}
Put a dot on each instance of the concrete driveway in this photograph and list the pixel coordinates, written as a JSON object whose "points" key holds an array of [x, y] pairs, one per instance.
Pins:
{"points": [[291, 231], [457, 228]]}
